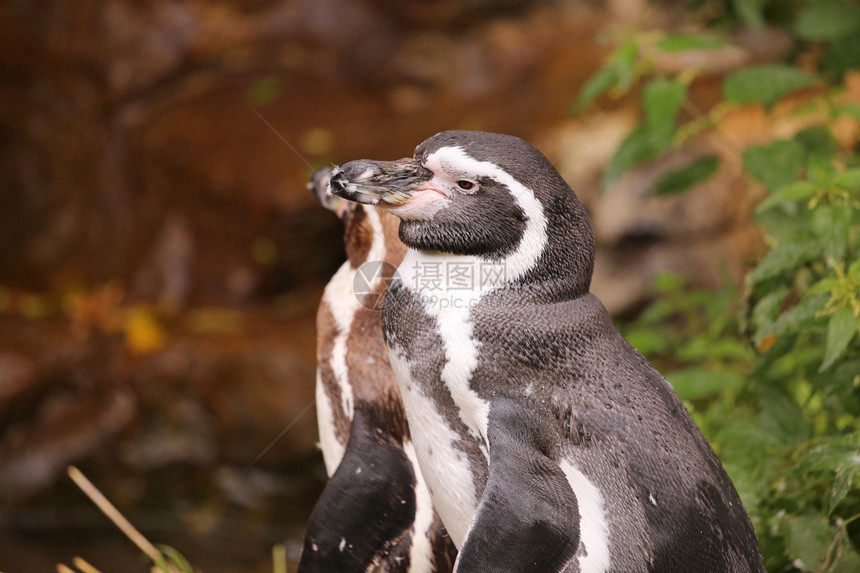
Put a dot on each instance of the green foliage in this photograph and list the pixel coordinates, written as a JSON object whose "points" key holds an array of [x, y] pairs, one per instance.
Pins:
{"points": [[832, 24], [771, 375], [641, 145], [684, 178], [662, 100], [827, 20], [687, 42], [775, 164], [805, 314], [751, 12], [787, 433], [841, 329], [764, 84], [597, 85], [842, 55], [173, 562], [618, 73]]}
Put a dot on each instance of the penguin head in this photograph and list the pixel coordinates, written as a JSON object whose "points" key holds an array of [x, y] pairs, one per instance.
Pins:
{"points": [[483, 194], [320, 186]]}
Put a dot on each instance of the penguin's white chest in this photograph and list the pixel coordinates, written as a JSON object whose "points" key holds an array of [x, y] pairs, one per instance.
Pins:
{"points": [[448, 304], [446, 468], [463, 281]]}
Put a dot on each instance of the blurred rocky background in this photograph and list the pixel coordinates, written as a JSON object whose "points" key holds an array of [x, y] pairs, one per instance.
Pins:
{"points": [[161, 259]]}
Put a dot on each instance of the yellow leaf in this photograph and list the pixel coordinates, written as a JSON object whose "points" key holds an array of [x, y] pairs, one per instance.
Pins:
{"points": [[143, 333], [767, 343]]}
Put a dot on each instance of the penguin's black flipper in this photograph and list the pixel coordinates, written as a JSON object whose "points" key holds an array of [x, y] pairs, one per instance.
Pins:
{"points": [[366, 509], [528, 518]]}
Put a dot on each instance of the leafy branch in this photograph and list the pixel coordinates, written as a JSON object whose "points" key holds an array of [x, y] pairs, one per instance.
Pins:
{"points": [[773, 375]]}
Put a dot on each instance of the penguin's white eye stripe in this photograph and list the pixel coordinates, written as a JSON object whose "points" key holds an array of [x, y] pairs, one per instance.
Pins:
{"points": [[455, 162], [534, 237]]}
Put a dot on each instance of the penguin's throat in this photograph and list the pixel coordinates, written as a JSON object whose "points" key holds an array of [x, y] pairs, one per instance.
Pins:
{"points": [[440, 277]]}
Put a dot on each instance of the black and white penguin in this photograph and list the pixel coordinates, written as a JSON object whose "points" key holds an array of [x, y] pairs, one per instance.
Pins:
{"points": [[548, 443], [375, 513]]}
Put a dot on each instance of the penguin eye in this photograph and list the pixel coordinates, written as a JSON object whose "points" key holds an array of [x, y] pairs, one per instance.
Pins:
{"points": [[467, 185]]}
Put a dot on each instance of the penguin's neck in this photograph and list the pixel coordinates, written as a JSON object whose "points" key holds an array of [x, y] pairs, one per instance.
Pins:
{"points": [[448, 280], [370, 235], [357, 236]]}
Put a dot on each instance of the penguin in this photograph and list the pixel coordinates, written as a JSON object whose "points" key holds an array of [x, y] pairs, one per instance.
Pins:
{"points": [[375, 513], [548, 443]]}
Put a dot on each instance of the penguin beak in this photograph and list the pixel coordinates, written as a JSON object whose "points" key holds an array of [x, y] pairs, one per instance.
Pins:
{"points": [[319, 186], [382, 183]]}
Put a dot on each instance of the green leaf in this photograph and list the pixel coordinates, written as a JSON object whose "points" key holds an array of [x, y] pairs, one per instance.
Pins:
{"points": [[803, 316], [787, 194], [807, 540], [686, 177], [817, 142], [832, 224], [848, 561], [624, 62], [659, 310], [640, 146], [848, 179], [688, 42], [669, 283], [702, 349], [842, 55], [827, 20], [174, 561], [694, 383], [847, 478], [824, 286], [850, 110], [835, 456], [599, 83], [750, 11], [764, 84], [841, 329], [648, 340], [785, 258], [782, 417], [662, 100], [618, 71], [820, 170], [776, 164], [785, 223], [766, 309]]}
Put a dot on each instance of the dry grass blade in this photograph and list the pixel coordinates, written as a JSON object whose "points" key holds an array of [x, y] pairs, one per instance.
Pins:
{"points": [[114, 515], [64, 569], [84, 566], [279, 558]]}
